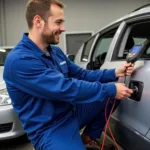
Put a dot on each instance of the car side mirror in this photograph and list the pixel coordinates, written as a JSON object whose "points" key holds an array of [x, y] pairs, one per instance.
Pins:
{"points": [[71, 57]]}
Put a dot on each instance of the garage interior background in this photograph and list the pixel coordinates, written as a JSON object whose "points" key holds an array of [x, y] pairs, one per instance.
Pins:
{"points": [[80, 15]]}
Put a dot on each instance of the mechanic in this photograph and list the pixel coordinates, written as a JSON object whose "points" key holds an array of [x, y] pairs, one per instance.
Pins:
{"points": [[54, 97]]}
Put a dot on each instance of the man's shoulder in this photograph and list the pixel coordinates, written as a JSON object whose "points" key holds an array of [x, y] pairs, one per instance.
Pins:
{"points": [[20, 50], [18, 53]]}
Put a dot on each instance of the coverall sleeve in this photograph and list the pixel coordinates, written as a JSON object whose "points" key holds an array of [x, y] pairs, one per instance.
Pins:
{"points": [[30, 75]]}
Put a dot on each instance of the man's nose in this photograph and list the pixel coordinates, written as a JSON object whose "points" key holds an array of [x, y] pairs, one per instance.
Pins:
{"points": [[62, 28]]}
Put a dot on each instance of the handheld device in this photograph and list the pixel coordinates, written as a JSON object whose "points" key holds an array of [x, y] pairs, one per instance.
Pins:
{"points": [[134, 54], [137, 51]]}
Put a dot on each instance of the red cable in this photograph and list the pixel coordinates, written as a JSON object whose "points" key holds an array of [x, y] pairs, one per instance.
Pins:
{"points": [[103, 143], [107, 125]]}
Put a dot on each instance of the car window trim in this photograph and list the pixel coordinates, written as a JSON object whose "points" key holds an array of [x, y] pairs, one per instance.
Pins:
{"points": [[96, 36], [115, 41], [123, 43]]}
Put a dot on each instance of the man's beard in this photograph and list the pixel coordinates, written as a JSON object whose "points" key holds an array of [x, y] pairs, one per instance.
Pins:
{"points": [[49, 39]]}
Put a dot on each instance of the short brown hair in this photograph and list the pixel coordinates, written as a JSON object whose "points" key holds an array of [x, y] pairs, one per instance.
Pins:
{"points": [[41, 8]]}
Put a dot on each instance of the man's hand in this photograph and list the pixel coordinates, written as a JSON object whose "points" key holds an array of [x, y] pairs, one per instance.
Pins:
{"points": [[122, 91], [124, 69]]}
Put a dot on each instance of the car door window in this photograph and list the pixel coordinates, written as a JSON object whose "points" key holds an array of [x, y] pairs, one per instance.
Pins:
{"points": [[101, 48], [138, 34], [141, 41]]}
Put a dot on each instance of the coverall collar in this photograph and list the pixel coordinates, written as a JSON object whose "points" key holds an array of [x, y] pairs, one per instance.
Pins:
{"points": [[29, 43]]}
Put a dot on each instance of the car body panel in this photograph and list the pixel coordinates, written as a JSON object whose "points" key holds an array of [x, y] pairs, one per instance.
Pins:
{"points": [[2, 83], [135, 114], [127, 137], [8, 116]]}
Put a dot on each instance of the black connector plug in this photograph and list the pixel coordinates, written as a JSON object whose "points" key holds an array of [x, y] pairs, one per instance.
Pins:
{"points": [[135, 89]]}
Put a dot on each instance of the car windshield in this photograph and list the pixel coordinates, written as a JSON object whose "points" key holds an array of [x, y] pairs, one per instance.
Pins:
{"points": [[3, 53]]}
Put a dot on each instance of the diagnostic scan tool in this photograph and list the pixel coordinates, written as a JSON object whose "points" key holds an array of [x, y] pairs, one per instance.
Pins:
{"points": [[137, 51]]}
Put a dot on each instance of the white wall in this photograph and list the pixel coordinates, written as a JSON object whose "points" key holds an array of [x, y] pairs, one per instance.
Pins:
{"points": [[80, 15], [14, 20], [1, 26]]}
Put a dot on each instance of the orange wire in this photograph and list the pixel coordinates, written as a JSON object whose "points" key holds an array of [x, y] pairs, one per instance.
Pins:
{"points": [[109, 126], [103, 143], [107, 123]]}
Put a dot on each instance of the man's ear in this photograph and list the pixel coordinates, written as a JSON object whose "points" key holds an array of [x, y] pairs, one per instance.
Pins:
{"points": [[38, 21]]}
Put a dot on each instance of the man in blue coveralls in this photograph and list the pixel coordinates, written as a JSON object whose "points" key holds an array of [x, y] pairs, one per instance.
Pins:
{"points": [[53, 97]]}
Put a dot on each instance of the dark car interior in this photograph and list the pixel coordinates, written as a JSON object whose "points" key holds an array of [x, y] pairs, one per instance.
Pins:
{"points": [[139, 34]]}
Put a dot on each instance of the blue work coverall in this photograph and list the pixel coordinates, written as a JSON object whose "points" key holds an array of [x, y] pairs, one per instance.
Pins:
{"points": [[55, 98]]}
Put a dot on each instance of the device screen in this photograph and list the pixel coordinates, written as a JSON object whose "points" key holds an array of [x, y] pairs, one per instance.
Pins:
{"points": [[135, 49]]}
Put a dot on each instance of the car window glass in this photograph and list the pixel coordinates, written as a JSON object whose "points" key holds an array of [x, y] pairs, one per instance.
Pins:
{"points": [[138, 35], [103, 46], [148, 51], [87, 48], [101, 49], [141, 41], [138, 40]]}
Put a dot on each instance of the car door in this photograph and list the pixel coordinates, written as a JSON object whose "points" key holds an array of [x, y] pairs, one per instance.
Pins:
{"points": [[131, 120]]}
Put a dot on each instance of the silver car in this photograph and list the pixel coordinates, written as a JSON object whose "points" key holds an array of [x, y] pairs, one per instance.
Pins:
{"points": [[107, 49], [10, 126]]}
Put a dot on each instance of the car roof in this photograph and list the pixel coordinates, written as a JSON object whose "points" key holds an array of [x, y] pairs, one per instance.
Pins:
{"points": [[141, 7]]}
